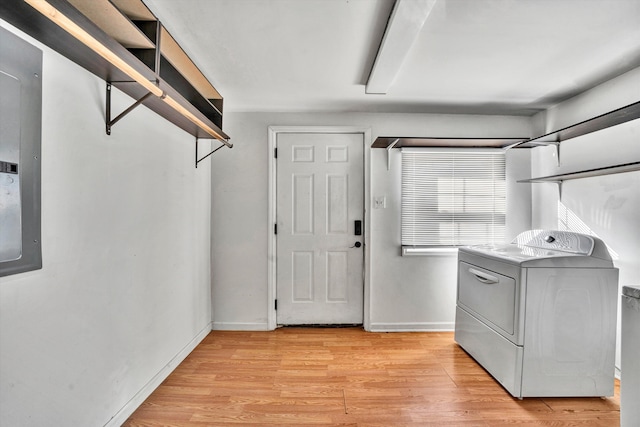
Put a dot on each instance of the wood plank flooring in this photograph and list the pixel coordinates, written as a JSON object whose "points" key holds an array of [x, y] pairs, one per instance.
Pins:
{"points": [[348, 377]]}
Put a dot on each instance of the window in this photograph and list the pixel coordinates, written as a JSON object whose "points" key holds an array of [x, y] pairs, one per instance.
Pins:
{"points": [[453, 197]]}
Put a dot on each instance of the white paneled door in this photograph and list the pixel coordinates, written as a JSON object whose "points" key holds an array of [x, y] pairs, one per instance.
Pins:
{"points": [[320, 208]]}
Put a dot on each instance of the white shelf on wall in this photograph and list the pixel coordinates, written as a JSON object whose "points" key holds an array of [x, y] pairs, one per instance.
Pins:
{"points": [[603, 121], [608, 170]]}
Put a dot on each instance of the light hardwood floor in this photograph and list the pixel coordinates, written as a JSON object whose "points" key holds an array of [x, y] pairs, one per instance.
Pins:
{"points": [[348, 377]]}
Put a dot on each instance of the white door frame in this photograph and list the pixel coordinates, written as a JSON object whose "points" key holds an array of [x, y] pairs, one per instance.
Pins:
{"points": [[271, 279]]}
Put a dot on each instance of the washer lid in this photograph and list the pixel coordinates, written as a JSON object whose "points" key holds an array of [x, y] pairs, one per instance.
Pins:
{"points": [[549, 248], [525, 255]]}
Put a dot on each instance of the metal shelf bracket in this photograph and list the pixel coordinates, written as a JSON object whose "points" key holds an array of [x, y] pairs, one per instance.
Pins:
{"points": [[108, 121], [198, 160], [559, 190], [557, 145], [389, 148]]}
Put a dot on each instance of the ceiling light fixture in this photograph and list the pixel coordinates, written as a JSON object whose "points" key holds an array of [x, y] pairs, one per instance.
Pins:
{"points": [[87, 39], [403, 28]]}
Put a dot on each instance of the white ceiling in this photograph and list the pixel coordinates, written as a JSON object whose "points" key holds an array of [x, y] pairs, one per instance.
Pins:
{"points": [[471, 56]]}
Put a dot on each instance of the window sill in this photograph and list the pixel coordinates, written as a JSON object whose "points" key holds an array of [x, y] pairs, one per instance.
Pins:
{"points": [[445, 251]]}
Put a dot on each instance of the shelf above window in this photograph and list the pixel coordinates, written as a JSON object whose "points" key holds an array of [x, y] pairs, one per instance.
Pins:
{"points": [[612, 118], [399, 142]]}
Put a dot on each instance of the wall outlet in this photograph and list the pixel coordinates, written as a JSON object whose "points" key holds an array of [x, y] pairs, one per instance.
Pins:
{"points": [[379, 202]]}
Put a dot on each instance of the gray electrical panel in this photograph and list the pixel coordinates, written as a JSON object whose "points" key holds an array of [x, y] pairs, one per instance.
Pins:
{"points": [[20, 133]]}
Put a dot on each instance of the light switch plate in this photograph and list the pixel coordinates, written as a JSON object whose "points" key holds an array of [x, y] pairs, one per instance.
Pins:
{"points": [[379, 202]]}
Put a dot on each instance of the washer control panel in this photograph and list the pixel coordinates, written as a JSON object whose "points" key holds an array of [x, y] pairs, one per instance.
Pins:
{"points": [[566, 241]]}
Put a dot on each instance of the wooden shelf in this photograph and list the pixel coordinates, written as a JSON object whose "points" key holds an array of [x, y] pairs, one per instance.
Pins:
{"points": [[134, 9], [609, 170], [603, 121], [113, 22], [612, 118], [181, 62], [386, 142], [129, 30]]}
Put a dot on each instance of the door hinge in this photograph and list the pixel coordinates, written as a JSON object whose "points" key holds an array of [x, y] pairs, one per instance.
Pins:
{"points": [[275, 153], [275, 228], [276, 305]]}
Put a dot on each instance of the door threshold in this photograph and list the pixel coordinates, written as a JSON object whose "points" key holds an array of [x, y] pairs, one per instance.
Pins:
{"points": [[324, 325]]}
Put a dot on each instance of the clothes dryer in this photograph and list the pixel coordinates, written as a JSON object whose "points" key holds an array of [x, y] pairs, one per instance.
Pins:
{"points": [[539, 314]]}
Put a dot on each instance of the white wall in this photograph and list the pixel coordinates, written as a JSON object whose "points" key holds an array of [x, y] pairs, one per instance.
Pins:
{"points": [[124, 292], [607, 205], [406, 293]]}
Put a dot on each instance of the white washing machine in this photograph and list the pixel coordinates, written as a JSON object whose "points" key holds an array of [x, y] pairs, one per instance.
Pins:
{"points": [[630, 357], [539, 314]]}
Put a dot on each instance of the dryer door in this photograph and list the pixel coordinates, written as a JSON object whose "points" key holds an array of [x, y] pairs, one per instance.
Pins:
{"points": [[490, 296]]}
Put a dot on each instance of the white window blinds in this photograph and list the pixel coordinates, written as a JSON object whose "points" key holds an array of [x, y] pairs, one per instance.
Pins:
{"points": [[453, 197]]}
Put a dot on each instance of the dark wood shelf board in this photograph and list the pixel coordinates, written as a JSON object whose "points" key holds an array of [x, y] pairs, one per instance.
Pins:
{"points": [[608, 170], [616, 117], [603, 121], [384, 142]]}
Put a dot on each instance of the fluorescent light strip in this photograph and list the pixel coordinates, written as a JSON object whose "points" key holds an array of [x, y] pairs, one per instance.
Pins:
{"points": [[72, 28], [189, 115], [87, 39], [404, 26]]}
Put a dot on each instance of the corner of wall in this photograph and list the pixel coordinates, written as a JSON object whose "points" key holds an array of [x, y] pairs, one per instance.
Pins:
{"points": [[539, 124]]}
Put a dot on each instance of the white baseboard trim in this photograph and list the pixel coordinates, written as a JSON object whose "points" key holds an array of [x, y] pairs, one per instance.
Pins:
{"points": [[240, 326], [129, 408], [413, 327]]}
